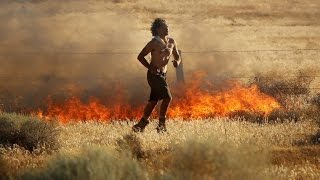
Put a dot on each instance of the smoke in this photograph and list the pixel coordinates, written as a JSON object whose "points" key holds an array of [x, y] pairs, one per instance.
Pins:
{"points": [[50, 48], [199, 41], [61, 48]]}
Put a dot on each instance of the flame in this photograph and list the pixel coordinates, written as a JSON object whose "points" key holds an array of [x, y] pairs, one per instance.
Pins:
{"points": [[197, 103], [196, 99], [75, 110]]}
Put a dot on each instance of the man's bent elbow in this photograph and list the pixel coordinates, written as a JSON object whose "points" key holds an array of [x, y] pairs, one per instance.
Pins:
{"points": [[140, 57]]}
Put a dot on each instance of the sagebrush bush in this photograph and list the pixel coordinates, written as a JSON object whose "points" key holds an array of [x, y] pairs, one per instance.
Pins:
{"points": [[28, 132], [8, 131], [212, 160], [93, 163], [36, 133]]}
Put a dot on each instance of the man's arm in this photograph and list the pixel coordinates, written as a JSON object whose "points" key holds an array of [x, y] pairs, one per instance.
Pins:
{"points": [[145, 51], [176, 55]]}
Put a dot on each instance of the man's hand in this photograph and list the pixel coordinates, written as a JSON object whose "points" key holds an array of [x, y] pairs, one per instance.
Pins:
{"points": [[168, 50], [175, 63]]}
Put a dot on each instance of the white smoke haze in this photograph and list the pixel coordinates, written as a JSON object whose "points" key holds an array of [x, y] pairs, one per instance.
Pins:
{"points": [[62, 47]]}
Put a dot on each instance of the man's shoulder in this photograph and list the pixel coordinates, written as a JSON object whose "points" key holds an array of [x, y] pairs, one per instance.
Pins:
{"points": [[152, 42], [171, 40]]}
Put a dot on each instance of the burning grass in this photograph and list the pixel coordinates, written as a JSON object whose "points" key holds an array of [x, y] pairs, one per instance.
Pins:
{"points": [[267, 98], [198, 98]]}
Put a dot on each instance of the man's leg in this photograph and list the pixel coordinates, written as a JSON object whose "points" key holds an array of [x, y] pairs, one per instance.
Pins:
{"points": [[139, 127], [163, 111], [149, 108]]}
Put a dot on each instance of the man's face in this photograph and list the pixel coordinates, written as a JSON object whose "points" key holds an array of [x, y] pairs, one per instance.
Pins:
{"points": [[163, 30]]}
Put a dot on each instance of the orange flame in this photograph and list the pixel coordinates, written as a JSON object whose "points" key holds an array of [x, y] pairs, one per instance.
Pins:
{"points": [[190, 101], [196, 103], [74, 109]]}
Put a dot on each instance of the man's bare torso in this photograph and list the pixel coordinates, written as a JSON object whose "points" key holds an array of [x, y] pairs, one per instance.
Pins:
{"points": [[158, 56]]}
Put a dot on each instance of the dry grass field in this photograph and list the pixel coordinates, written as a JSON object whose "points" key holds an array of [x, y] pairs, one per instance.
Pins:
{"points": [[85, 48], [218, 148]]}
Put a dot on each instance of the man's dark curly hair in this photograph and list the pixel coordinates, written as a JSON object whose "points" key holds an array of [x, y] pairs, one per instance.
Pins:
{"points": [[156, 24]]}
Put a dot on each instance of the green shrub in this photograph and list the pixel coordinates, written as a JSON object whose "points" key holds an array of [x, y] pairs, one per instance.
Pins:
{"points": [[8, 131], [36, 133], [28, 132], [93, 163]]}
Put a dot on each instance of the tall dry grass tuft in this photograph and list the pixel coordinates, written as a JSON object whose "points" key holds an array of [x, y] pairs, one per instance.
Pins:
{"points": [[130, 143], [316, 100], [315, 139], [222, 149], [28, 132], [315, 109], [282, 115], [247, 116], [3, 168], [314, 113], [214, 160], [90, 163]]}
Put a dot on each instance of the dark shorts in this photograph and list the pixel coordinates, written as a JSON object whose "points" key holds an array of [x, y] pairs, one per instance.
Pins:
{"points": [[159, 87]]}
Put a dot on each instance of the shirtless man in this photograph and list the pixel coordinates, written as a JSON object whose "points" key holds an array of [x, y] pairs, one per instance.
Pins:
{"points": [[161, 48]]}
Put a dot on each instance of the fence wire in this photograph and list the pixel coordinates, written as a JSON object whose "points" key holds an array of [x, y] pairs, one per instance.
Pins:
{"points": [[136, 52]]}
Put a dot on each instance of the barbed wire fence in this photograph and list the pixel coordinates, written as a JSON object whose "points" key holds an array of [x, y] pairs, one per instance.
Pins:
{"points": [[27, 53]]}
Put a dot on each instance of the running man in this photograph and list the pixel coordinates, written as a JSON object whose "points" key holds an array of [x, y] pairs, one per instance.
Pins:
{"points": [[161, 48]]}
